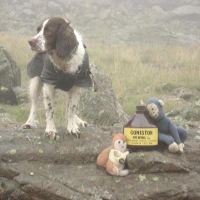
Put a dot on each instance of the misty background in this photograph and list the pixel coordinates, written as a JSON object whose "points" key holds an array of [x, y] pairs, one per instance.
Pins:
{"points": [[110, 21]]}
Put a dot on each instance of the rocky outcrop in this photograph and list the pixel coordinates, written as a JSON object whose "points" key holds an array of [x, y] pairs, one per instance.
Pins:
{"points": [[100, 106], [9, 72], [10, 79], [32, 167]]}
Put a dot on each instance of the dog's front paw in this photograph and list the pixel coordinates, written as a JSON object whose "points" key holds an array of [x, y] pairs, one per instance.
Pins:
{"points": [[82, 123], [73, 129], [51, 133], [74, 124], [30, 125]]}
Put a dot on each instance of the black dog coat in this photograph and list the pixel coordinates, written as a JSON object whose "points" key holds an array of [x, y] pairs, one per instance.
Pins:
{"points": [[41, 65]]}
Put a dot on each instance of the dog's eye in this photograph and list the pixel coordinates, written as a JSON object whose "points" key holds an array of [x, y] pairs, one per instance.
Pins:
{"points": [[39, 29], [47, 31]]}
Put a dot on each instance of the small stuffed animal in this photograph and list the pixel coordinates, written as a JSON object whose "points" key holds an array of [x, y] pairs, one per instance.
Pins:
{"points": [[169, 133], [113, 158]]}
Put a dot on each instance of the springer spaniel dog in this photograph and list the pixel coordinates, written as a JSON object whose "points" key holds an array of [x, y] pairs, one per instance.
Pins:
{"points": [[60, 62]]}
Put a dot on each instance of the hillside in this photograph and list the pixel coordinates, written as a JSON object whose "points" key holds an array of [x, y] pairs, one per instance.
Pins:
{"points": [[111, 21]]}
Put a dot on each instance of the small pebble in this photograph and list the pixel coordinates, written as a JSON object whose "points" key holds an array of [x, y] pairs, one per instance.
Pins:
{"points": [[12, 151], [41, 151], [197, 137], [32, 173]]}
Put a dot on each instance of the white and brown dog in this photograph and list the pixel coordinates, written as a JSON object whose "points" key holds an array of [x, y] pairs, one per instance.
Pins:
{"points": [[61, 61]]}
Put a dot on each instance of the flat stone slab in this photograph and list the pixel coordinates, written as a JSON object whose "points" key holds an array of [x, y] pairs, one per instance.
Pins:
{"points": [[59, 181], [33, 167], [156, 162], [17, 144]]}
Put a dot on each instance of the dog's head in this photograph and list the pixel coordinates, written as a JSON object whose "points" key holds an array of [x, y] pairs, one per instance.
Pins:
{"points": [[54, 34]]}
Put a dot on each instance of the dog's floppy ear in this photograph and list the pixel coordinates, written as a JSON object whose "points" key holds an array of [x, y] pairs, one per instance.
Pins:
{"points": [[66, 40]]}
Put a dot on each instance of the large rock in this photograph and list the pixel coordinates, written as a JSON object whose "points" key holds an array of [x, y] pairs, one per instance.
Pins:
{"points": [[101, 106], [10, 80], [32, 167], [9, 72]]}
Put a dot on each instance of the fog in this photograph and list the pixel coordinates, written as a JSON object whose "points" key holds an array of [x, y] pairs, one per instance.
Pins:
{"points": [[111, 21]]}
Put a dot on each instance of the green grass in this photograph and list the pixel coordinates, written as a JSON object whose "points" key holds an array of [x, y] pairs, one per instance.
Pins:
{"points": [[137, 72]]}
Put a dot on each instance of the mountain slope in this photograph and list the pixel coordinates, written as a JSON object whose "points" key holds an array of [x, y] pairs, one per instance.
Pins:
{"points": [[112, 21]]}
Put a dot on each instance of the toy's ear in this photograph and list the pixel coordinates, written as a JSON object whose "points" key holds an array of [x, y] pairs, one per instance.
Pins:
{"points": [[113, 135], [161, 102], [142, 103]]}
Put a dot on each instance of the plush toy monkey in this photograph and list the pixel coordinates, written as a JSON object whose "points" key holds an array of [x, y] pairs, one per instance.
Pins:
{"points": [[113, 158], [169, 133]]}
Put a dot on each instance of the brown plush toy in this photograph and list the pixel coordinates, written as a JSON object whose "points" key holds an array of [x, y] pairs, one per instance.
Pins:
{"points": [[113, 158]]}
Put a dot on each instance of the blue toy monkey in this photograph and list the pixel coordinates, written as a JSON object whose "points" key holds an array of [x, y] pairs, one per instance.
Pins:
{"points": [[169, 133]]}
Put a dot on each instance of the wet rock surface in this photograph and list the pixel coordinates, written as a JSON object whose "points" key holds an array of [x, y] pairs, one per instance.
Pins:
{"points": [[33, 167]]}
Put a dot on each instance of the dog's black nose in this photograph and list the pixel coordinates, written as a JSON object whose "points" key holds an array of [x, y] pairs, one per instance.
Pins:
{"points": [[32, 42]]}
